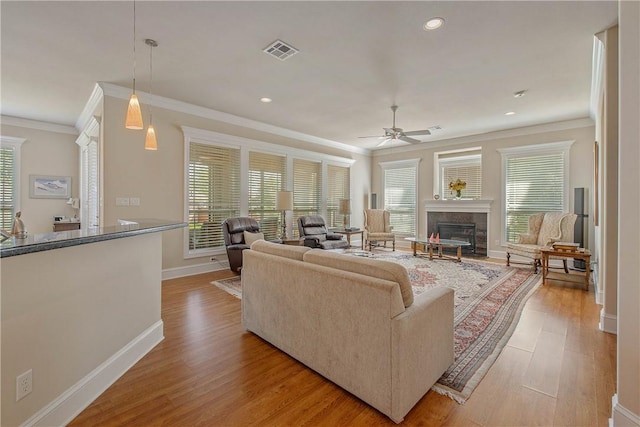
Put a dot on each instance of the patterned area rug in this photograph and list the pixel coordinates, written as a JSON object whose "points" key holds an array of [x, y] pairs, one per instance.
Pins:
{"points": [[488, 302]]}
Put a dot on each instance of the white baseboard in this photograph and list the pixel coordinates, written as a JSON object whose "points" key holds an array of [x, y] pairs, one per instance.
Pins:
{"points": [[608, 323], [621, 416], [190, 270], [69, 404]]}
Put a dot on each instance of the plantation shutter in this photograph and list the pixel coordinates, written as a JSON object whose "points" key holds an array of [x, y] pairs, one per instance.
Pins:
{"points": [[93, 196], [7, 187], [534, 184], [400, 198], [266, 178], [89, 185], [307, 188], [338, 187], [214, 193]]}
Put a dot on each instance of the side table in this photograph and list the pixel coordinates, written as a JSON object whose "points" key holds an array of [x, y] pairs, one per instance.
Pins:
{"points": [[293, 242], [583, 254], [349, 233]]}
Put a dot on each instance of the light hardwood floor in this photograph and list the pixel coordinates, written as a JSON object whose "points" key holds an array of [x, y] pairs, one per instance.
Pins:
{"points": [[558, 369]]}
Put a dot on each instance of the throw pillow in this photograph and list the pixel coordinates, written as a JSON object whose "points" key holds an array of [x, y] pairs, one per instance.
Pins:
{"points": [[249, 237]]}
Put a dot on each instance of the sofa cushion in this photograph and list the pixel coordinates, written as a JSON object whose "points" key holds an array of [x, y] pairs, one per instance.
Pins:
{"points": [[287, 251], [250, 237], [381, 269]]}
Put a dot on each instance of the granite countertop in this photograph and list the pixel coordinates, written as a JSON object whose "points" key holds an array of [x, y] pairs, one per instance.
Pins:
{"points": [[48, 241]]}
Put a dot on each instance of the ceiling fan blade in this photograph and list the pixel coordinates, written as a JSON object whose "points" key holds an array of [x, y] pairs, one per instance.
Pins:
{"points": [[384, 142], [373, 136], [418, 132], [409, 140]]}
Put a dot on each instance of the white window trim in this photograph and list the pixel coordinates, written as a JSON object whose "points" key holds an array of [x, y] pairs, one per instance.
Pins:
{"points": [[437, 163], [538, 149], [16, 144], [397, 164], [245, 145]]}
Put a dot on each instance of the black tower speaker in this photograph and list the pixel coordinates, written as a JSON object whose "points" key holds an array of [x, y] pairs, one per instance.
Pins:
{"points": [[374, 201], [579, 231]]}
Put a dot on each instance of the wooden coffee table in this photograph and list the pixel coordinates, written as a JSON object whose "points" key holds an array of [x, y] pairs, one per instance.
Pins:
{"points": [[427, 246], [583, 254]]}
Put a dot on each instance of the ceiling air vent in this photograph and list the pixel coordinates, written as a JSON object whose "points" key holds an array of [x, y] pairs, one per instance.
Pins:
{"points": [[280, 50]]}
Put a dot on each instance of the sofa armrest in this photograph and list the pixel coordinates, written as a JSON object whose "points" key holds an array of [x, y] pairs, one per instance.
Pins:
{"points": [[422, 347], [527, 239], [311, 241], [238, 247]]}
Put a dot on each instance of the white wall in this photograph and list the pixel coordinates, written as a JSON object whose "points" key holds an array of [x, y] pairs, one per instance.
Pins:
{"points": [[581, 165], [65, 313], [626, 411], [44, 153], [157, 178]]}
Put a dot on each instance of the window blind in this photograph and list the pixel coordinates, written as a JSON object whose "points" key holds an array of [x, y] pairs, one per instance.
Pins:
{"points": [[7, 187], [214, 193], [471, 174], [89, 185], [266, 178], [307, 188], [338, 187], [400, 195], [534, 183]]}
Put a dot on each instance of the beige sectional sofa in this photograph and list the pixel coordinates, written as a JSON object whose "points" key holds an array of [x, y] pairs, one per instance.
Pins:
{"points": [[353, 320]]}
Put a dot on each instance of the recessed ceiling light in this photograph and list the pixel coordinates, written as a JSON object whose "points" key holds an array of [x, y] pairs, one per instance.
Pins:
{"points": [[266, 100], [433, 24], [509, 113]]}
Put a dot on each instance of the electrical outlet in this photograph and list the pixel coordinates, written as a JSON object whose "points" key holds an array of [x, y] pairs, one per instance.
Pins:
{"points": [[497, 242], [24, 384]]}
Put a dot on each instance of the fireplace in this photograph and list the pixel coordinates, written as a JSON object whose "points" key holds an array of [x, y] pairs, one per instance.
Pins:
{"points": [[466, 220], [459, 231]]}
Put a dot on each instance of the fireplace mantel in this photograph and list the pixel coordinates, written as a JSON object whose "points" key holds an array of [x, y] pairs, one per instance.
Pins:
{"points": [[462, 205]]}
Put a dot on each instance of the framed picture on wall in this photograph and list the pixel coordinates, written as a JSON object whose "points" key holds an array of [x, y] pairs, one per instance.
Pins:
{"points": [[49, 187]]}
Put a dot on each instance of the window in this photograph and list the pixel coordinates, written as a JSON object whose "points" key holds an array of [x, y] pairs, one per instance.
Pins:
{"points": [[465, 165], [401, 195], [307, 188], [536, 179], [213, 193], [338, 187], [9, 180], [266, 178], [89, 174]]}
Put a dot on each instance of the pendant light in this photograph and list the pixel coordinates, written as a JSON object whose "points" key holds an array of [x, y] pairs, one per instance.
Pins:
{"points": [[134, 114], [150, 142]]}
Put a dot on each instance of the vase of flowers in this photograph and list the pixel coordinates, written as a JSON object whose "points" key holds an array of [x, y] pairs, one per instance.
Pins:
{"points": [[458, 185]]}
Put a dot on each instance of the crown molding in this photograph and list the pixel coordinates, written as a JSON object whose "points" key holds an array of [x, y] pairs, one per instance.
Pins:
{"points": [[208, 113], [87, 114], [507, 133], [36, 124]]}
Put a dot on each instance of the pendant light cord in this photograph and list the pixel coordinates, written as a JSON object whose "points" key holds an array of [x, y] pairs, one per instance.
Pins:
{"points": [[134, 46], [150, 81]]}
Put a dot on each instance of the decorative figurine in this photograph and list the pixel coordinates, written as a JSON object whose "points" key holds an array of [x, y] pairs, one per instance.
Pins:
{"points": [[18, 229]]}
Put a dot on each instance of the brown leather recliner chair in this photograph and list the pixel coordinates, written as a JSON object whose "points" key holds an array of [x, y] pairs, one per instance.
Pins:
{"points": [[314, 231], [233, 231]]}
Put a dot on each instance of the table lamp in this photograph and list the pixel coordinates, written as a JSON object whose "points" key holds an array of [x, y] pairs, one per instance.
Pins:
{"points": [[284, 203], [344, 210]]}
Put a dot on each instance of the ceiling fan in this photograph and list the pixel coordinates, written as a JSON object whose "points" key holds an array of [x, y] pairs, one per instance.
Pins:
{"points": [[397, 133]]}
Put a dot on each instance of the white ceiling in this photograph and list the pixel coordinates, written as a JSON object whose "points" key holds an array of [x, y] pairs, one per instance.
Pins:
{"points": [[356, 59]]}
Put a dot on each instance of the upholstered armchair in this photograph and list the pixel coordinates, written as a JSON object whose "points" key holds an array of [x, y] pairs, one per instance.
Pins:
{"points": [[313, 230], [233, 230], [544, 229], [378, 227]]}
